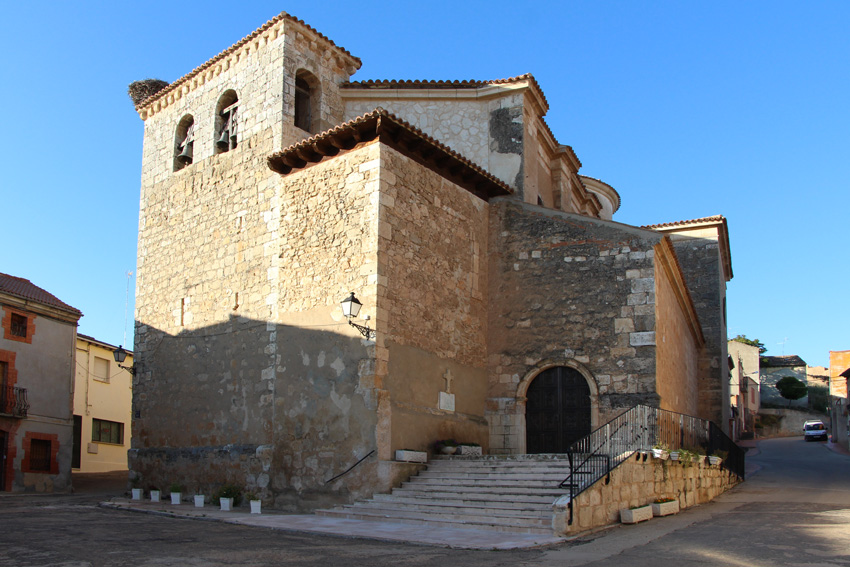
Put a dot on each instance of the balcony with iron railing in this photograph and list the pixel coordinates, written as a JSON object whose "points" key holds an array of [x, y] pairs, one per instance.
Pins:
{"points": [[13, 401]]}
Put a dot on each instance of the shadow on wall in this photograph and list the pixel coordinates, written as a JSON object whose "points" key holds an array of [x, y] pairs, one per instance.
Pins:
{"points": [[274, 409]]}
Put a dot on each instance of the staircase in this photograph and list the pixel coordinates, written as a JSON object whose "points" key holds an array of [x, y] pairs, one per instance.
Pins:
{"points": [[507, 494]]}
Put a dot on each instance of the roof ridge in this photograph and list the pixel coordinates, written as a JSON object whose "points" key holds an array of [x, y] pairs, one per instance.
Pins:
{"points": [[221, 55], [684, 222]]}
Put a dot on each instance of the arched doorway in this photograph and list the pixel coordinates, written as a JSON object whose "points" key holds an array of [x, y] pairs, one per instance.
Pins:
{"points": [[557, 411]]}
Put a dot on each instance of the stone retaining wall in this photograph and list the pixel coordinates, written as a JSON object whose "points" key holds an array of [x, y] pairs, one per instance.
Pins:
{"points": [[639, 483]]}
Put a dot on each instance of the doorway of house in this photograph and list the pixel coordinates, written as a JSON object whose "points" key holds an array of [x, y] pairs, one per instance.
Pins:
{"points": [[2, 461], [557, 412]]}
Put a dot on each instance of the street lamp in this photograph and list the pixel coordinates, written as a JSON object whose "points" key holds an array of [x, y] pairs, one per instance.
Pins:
{"points": [[119, 354], [350, 308]]}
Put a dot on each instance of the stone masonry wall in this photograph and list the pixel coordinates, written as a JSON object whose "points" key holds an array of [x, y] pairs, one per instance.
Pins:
{"points": [[700, 261], [639, 483], [678, 349], [433, 293], [569, 290], [488, 132]]}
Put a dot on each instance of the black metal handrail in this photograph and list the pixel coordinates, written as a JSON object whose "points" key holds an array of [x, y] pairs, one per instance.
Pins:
{"points": [[13, 401], [639, 429], [349, 469]]}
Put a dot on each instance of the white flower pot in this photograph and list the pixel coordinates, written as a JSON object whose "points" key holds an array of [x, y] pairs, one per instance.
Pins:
{"points": [[411, 456], [665, 508], [137, 493], [154, 495], [660, 454], [714, 460], [256, 506], [175, 497], [226, 504], [447, 450], [636, 515], [674, 455], [199, 501]]}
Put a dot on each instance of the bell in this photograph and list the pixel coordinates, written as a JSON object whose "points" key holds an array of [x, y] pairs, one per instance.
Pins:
{"points": [[185, 156], [224, 141]]}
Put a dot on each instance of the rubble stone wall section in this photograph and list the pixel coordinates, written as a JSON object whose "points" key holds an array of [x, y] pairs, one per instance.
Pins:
{"points": [[567, 290]]}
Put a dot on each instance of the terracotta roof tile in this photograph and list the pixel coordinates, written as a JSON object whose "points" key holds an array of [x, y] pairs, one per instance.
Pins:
{"points": [[441, 84], [715, 218], [399, 134], [258, 32], [25, 289]]}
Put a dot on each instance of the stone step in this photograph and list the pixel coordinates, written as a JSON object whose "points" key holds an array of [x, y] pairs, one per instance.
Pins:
{"points": [[490, 496], [529, 472], [477, 500], [494, 487], [462, 517], [483, 482], [477, 524], [452, 507]]}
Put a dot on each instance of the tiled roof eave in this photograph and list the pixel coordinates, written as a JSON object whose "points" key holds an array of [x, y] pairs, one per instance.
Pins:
{"points": [[398, 134], [254, 36]]}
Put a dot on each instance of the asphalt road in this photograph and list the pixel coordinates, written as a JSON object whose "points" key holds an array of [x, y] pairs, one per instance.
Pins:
{"points": [[794, 511]]}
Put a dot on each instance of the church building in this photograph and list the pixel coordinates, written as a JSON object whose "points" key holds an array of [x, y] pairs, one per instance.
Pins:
{"points": [[501, 303]]}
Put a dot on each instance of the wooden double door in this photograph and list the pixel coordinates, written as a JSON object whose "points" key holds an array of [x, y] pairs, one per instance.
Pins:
{"points": [[557, 411]]}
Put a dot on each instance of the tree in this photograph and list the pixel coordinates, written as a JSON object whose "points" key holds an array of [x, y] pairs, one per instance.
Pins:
{"points": [[751, 342], [791, 389]]}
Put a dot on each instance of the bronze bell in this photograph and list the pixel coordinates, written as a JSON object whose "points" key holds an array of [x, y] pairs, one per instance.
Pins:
{"points": [[224, 141], [185, 156]]}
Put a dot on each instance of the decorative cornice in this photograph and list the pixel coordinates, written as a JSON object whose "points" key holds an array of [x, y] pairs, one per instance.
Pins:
{"points": [[401, 136], [716, 221]]}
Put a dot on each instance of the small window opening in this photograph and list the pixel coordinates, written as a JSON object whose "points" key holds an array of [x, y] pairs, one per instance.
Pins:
{"points": [[308, 95], [19, 325], [40, 450], [303, 116], [227, 124]]}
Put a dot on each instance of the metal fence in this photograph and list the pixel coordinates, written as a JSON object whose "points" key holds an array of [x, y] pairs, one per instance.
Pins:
{"points": [[13, 401], [640, 429]]}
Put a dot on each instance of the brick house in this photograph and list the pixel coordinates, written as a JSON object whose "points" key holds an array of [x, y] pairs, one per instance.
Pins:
{"points": [[36, 387], [506, 306]]}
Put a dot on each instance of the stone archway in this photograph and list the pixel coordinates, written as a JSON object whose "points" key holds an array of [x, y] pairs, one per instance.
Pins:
{"points": [[560, 400]]}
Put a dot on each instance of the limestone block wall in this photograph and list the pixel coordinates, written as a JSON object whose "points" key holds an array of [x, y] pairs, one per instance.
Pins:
{"points": [[567, 290], [699, 257], [489, 132], [432, 285], [677, 346], [640, 483]]}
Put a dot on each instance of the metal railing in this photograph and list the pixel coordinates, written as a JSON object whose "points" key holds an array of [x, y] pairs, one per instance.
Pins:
{"points": [[13, 401], [640, 429]]}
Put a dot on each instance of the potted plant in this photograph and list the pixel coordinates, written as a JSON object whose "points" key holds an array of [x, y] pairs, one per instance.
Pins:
{"points": [[665, 507], [155, 495], [718, 457], [199, 500], [469, 449], [446, 447], [636, 514], [136, 487], [176, 490], [660, 451], [256, 503], [228, 496]]}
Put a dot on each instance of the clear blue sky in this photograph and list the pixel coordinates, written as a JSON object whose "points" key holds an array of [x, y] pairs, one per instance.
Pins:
{"points": [[688, 109]]}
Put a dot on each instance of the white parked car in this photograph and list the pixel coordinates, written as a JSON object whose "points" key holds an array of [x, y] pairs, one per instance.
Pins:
{"points": [[814, 430]]}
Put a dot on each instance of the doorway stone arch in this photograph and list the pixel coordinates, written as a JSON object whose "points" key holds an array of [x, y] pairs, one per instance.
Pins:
{"points": [[538, 369]]}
